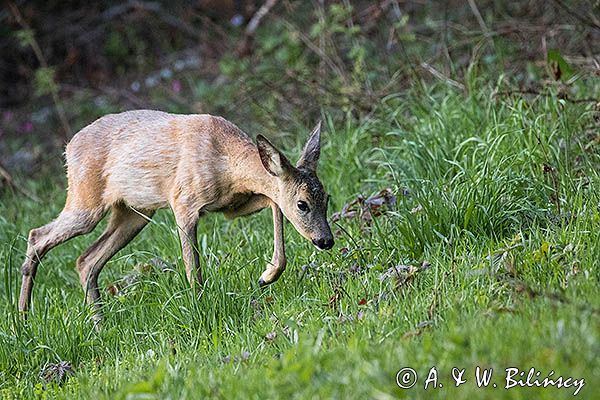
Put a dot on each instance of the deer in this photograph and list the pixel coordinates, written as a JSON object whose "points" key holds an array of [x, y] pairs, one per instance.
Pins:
{"points": [[136, 162]]}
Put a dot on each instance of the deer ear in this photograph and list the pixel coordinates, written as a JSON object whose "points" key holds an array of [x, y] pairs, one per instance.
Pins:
{"points": [[312, 150], [274, 162]]}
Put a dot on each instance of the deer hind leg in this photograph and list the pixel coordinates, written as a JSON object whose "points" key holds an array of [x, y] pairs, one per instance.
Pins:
{"points": [[187, 222], [123, 226], [70, 223]]}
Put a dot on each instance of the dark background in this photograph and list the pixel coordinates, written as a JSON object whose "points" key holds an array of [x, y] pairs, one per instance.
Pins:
{"points": [[65, 63]]}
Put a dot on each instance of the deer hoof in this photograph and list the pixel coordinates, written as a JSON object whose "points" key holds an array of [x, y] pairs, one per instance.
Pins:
{"points": [[262, 282], [266, 281]]}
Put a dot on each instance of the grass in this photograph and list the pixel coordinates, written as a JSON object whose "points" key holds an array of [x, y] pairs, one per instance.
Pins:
{"points": [[496, 212]]}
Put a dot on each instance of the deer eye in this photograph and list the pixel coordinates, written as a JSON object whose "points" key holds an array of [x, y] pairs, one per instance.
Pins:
{"points": [[302, 206]]}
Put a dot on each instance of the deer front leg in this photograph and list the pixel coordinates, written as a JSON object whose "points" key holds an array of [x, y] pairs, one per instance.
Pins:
{"points": [[277, 265], [187, 223]]}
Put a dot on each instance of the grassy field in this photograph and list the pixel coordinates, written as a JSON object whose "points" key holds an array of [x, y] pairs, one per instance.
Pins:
{"points": [[487, 257]]}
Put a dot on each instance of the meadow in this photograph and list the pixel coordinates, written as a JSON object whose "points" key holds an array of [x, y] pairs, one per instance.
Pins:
{"points": [[482, 250]]}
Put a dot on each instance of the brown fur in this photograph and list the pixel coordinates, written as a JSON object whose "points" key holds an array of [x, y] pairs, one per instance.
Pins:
{"points": [[138, 161]]}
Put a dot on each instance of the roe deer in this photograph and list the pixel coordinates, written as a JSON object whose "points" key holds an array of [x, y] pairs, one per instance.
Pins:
{"points": [[136, 162]]}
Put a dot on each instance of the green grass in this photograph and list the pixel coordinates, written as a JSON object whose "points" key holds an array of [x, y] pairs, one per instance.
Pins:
{"points": [[499, 195]]}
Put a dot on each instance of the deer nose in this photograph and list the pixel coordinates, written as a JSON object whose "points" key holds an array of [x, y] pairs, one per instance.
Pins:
{"points": [[324, 243]]}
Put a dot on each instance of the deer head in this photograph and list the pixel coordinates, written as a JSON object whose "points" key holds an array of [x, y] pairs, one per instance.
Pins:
{"points": [[301, 196]]}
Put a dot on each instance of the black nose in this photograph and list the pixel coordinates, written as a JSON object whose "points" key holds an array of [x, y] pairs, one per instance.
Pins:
{"points": [[324, 243]]}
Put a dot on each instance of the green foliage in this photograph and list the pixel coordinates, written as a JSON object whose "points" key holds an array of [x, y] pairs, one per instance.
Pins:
{"points": [[496, 211], [116, 48], [559, 66], [146, 388], [44, 82], [25, 37], [331, 59]]}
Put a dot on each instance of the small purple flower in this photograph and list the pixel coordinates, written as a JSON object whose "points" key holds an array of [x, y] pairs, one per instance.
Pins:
{"points": [[27, 127], [176, 86]]}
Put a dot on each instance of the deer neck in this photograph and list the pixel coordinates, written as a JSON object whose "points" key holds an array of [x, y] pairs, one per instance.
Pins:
{"points": [[253, 177]]}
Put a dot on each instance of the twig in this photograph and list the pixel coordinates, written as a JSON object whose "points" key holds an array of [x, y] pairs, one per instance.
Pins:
{"points": [[477, 14], [488, 35], [591, 21], [42, 60], [112, 92], [133, 99], [441, 76], [371, 15], [5, 176], [315, 49], [521, 287], [444, 46], [409, 62], [245, 45], [538, 93]]}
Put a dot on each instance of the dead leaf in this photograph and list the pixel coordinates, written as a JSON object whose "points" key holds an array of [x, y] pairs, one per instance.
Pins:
{"points": [[400, 274], [57, 372], [343, 318], [366, 208], [416, 209], [161, 264], [335, 298], [384, 197], [113, 290], [419, 330], [356, 269]]}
